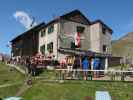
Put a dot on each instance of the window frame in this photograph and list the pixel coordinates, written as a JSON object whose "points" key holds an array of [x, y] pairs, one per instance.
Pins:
{"points": [[42, 49], [43, 32], [51, 29], [104, 30], [50, 47], [80, 29], [104, 48]]}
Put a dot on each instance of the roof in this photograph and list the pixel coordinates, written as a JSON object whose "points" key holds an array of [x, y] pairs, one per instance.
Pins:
{"points": [[65, 16], [101, 22], [74, 12], [32, 29]]}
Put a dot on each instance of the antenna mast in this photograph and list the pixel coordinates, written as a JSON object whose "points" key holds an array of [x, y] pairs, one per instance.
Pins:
{"points": [[33, 21]]}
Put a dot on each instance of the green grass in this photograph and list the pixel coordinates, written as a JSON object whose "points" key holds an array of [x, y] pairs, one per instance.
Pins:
{"points": [[78, 90], [48, 75], [9, 91], [9, 77], [69, 90]]}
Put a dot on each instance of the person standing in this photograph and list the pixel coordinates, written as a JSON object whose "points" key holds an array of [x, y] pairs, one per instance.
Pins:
{"points": [[85, 65], [96, 65], [28, 64], [76, 65], [63, 64], [33, 66]]}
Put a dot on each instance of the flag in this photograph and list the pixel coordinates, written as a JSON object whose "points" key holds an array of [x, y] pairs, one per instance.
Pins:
{"points": [[77, 39]]}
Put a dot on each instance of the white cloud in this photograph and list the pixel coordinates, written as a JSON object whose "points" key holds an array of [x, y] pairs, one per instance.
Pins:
{"points": [[24, 19]]}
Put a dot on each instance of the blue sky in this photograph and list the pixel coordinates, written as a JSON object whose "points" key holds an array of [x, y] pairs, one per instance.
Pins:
{"points": [[117, 14]]}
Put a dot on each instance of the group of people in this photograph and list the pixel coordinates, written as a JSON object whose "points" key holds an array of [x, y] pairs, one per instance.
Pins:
{"points": [[69, 62], [33, 62], [85, 63]]}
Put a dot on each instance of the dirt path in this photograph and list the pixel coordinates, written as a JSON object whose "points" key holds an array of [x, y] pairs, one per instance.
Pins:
{"points": [[17, 68], [22, 90], [8, 85]]}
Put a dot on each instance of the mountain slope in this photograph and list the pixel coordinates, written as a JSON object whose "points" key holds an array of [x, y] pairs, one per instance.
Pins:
{"points": [[123, 46]]}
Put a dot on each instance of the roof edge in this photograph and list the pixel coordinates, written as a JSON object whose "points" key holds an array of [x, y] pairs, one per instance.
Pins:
{"points": [[76, 11], [33, 28], [101, 22]]}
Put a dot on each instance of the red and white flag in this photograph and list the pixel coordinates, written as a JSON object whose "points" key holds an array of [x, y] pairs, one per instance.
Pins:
{"points": [[77, 39]]}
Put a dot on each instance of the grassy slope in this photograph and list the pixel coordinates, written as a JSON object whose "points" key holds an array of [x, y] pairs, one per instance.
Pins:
{"points": [[9, 91], [9, 77], [123, 48], [70, 90], [78, 90]]}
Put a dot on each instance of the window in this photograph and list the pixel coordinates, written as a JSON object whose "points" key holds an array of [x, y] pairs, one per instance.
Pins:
{"points": [[50, 47], [80, 29], [72, 45], [51, 29], [104, 48], [104, 30], [43, 32], [42, 49]]}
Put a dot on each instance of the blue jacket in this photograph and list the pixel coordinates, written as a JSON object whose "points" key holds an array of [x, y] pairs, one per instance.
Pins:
{"points": [[85, 64], [96, 63]]}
